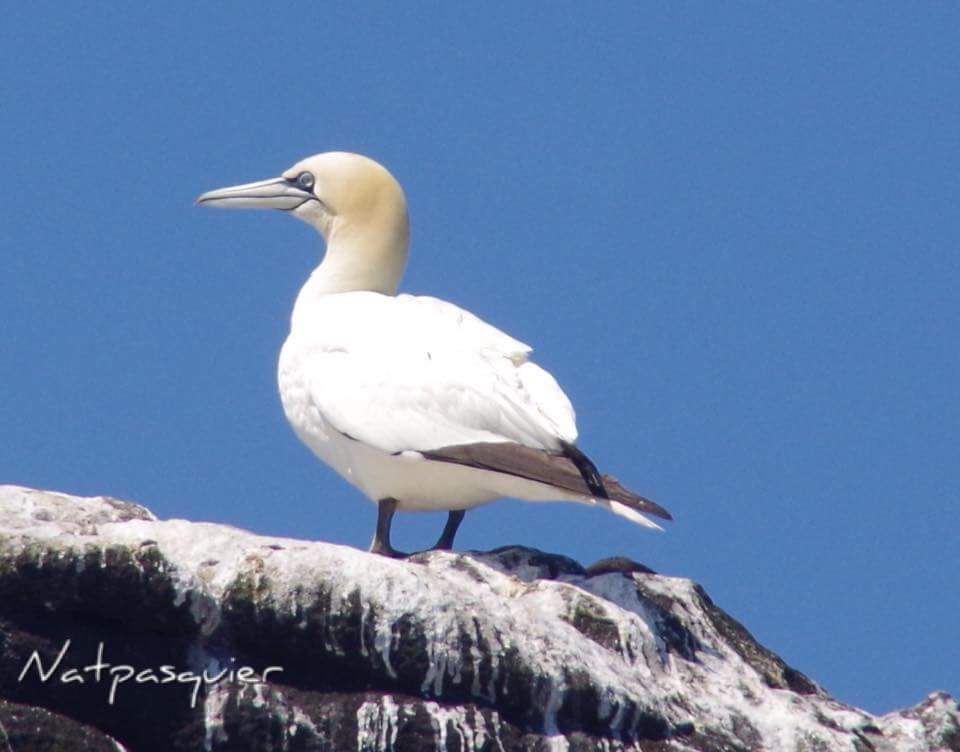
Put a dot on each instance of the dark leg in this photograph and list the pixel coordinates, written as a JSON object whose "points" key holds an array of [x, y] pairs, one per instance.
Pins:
{"points": [[381, 539], [445, 542]]}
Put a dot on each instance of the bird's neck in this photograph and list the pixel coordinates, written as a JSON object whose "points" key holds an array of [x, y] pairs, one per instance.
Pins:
{"points": [[356, 259], [346, 269]]}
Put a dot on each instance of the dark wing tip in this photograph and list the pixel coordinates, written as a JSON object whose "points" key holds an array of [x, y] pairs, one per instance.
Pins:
{"points": [[570, 470], [588, 471], [640, 503], [607, 487]]}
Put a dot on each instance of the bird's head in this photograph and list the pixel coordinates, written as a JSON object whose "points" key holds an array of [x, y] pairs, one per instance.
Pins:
{"points": [[353, 201]]}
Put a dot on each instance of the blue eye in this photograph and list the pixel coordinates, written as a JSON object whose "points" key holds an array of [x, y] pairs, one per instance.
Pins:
{"points": [[305, 181]]}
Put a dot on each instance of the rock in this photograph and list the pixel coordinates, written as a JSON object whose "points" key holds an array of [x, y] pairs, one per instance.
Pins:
{"points": [[23, 727], [313, 646]]}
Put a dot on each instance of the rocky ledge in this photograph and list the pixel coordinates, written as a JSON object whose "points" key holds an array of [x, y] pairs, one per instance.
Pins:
{"points": [[121, 631]]}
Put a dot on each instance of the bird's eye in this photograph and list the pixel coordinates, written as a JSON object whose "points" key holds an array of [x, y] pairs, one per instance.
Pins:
{"points": [[305, 181]]}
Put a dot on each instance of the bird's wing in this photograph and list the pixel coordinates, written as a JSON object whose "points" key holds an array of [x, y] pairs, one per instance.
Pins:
{"points": [[440, 321], [412, 373]]}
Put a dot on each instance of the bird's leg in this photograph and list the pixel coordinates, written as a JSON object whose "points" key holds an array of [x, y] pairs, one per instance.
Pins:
{"points": [[381, 538], [445, 541]]}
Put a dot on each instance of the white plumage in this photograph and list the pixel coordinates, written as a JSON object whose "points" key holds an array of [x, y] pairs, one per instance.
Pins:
{"points": [[413, 373], [372, 381]]}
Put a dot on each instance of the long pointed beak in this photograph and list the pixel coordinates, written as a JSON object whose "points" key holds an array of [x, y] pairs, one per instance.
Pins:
{"points": [[276, 193]]}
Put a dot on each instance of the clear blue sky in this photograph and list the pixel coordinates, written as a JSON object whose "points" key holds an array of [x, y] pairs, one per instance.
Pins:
{"points": [[730, 229]]}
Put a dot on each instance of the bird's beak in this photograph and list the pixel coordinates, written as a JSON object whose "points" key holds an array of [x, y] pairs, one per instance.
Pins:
{"points": [[276, 193]]}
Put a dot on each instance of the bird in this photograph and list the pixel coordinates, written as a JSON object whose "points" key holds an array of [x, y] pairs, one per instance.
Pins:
{"points": [[418, 403]]}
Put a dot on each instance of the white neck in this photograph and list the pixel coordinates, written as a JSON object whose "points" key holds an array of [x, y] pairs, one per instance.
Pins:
{"points": [[364, 255]]}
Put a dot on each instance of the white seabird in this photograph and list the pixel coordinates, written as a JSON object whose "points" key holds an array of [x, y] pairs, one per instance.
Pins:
{"points": [[416, 402]]}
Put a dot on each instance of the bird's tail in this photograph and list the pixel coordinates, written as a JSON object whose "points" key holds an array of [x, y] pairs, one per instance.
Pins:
{"points": [[624, 511], [609, 494]]}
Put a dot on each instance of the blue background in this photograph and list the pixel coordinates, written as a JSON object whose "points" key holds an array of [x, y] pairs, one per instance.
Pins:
{"points": [[730, 230]]}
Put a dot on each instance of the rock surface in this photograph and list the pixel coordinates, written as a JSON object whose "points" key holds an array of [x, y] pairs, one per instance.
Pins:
{"points": [[512, 649]]}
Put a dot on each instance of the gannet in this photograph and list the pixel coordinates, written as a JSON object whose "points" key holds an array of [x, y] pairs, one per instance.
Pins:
{"points": [[418, 403]]}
